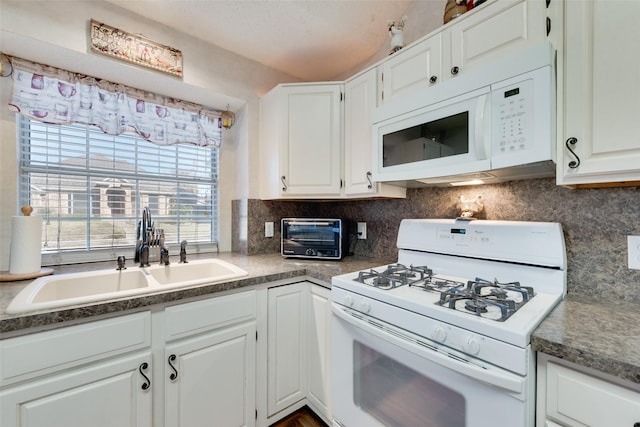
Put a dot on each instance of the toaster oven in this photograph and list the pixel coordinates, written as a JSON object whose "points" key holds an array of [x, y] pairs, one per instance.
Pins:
{"points": [[313, 238]]}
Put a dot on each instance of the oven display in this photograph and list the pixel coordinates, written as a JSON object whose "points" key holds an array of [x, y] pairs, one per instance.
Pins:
{"points": [[458, 231], [512, 92]]}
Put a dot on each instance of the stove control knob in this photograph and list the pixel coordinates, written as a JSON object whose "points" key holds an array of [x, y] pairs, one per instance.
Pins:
{"points": [[311, 252], [471, 346], [365, 307], [439, 334], [348, 301]]}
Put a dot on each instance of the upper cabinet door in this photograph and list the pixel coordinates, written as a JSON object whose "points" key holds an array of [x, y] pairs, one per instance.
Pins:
{"points": [[359, 102], [301, 141], [601, 93], [495, 29], [312, 157], [412, 68]]}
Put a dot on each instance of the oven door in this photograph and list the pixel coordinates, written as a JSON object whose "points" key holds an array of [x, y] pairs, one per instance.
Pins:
{"points": [[385, 376]]}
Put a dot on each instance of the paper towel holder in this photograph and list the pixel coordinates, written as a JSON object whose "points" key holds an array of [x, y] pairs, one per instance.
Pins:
{"points": [[7, 276]]}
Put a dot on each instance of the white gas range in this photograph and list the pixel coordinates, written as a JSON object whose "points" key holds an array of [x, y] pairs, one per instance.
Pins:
{"points": [[450, 322]]}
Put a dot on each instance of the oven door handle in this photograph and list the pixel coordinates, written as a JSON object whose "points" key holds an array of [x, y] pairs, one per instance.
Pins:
{"points": [[403, 339]]}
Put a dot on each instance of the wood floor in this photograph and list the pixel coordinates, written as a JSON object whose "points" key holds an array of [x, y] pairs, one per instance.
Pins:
{"points": [[301, 418]]}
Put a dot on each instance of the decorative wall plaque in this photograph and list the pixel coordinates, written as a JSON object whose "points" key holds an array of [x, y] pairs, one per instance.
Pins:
{"points": [[133, 48]]}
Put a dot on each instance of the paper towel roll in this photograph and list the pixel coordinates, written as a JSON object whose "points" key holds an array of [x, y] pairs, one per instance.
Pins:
{"points": [[26, 242]]}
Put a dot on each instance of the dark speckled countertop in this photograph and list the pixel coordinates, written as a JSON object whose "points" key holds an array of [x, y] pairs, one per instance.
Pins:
{"points": [[598, 334], [261, 268], [592, 332]]}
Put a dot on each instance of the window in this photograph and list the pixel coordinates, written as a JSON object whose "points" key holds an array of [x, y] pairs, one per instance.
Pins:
{"points": [[90, 188]]}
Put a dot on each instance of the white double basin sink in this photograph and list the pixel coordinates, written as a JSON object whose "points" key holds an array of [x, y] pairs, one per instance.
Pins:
{"points": [[51, 292]]}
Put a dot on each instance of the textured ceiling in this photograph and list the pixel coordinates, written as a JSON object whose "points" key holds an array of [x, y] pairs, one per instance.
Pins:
{"points": [[310, 39]]}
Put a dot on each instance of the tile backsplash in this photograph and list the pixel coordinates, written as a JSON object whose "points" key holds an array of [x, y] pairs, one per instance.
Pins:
{"points": [[596, 223]]}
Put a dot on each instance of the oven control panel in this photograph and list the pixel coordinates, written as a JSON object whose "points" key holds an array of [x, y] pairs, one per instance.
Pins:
{"points": [[464, 235], [486, 239]]}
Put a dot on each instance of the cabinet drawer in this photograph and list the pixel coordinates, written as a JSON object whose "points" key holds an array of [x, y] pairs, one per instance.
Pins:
{"points": [[578, 399], [200, 316], [41, 353]]}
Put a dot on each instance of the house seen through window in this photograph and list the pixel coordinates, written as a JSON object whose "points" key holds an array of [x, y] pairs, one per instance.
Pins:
{"points": [[90, 187]]}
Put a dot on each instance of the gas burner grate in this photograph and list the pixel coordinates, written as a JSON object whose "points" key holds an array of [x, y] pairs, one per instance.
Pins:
{"points": [[485, 287], [488, 299], [394, 275], [436, 284]]}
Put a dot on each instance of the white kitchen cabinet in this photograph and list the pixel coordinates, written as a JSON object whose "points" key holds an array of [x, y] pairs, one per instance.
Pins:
{"points": [[301, 141], [210, 362], [601, 93], [110, 393], [96, 374], [570, 396], [298, 350], [287, 331], [319, 350], [499, 28], [359, 102], [211, 379], [477, 37], [197, 368], [414, 67]]}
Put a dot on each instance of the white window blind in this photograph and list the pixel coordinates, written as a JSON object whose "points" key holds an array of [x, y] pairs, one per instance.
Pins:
{"points": [[90, 189]]}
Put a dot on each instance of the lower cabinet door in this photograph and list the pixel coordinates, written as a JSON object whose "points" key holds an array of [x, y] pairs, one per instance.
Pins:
{"points": [[211, 379], [578, 399], [319, 350], [287, 332], [106, 394]]}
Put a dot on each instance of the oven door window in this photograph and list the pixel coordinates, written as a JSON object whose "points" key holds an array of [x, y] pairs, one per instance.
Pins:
{"points": [[397, 395], [448, 136]]}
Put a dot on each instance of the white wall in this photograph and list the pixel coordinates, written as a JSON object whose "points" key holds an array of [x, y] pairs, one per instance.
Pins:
{"points": [[55, 33]]}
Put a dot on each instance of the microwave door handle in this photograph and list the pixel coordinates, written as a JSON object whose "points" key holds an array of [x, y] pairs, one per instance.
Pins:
{"points": [[504, 380], [482, 127]]}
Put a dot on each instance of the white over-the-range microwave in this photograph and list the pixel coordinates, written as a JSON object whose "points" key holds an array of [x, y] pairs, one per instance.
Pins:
{"points": [[492, 124]]}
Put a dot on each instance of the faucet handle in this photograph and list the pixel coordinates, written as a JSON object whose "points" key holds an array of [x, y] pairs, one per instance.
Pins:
{"points": [[164, 256], [183, 252], [121, 262]]}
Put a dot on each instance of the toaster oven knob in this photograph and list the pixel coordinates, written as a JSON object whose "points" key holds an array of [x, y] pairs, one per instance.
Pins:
{"points": [[471, 346], [310, 252], [365, 307], [439, 334]]}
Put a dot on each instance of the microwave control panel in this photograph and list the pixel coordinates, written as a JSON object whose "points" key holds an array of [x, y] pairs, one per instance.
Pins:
{"points": [[513, 110]]}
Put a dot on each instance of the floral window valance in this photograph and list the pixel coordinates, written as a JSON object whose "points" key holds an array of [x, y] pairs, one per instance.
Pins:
{"points": [[53, 95]]}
